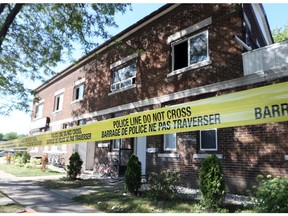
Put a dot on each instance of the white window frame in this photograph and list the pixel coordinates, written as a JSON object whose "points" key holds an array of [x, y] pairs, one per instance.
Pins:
{"points": [[126, 83], [216, 141], [174, 138], [58, 102], [78, 92], [39, 109], [188, 40], [125, 62]]}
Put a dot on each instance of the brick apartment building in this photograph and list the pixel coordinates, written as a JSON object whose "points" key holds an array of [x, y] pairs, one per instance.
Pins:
{"points": [[177, 54]]}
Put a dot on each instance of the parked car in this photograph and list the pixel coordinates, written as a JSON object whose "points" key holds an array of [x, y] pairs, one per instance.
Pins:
{"points": [[5, 152]]}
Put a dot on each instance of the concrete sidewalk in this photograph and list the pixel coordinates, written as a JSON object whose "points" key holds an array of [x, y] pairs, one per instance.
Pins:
{"points": [[26, 192]]}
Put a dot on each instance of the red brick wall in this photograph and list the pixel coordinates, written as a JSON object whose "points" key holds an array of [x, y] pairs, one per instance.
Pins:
{"points": [[247, 151]]}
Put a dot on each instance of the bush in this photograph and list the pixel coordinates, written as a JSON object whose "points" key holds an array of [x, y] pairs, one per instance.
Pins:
{"points": [[133, 175], [21, 158], [74, 167], [25, 157], [211, 182], [163, 186], [271, 196]]}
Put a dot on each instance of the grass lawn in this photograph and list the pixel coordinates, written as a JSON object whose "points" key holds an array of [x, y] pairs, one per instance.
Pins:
{"points": [[61, 184], [25, 172], [115, 199], [9, 208]]}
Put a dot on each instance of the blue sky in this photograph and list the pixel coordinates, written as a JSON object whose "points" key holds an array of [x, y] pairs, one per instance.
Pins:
{"points": [[19, 122], [277, 14]]}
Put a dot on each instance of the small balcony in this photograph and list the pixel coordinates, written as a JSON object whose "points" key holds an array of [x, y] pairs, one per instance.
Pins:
{"points": [[266, 58]]}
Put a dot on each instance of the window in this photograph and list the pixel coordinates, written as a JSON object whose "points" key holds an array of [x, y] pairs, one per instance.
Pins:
{"points": [[191, 51], [78, 92], [208, 140], [58, 102], [39, 110], [116, 143], [170, 141], [124, 77]]}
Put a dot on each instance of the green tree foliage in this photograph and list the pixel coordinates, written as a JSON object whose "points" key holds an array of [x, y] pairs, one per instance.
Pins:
{"points": [[10, 136], [133, 175], [74, 167], [211, 182], [34, 38], [280, 35], [271, 195]]}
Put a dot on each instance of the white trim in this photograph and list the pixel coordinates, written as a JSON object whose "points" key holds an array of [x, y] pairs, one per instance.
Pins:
{"points": [[166, 155], [60, 91], [229, 84], [103, 145], [203, 156], [260, 16], [189, 30], [286, 157], [190, 67], [78, 82], [122, 89], [211, 149], [124, 60]]}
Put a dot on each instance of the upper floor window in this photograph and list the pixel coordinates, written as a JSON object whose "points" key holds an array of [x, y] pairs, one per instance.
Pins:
{"points": [[78, 92], [170, 142], [190, 51], [124, 77], [58, 102], [39, 109], [208, 140]]}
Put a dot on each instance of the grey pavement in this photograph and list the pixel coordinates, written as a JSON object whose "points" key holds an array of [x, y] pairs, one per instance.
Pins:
{"points": [[26, 192]]}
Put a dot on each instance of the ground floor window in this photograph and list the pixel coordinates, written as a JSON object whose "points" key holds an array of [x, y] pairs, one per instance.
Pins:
{"points": [[208, 140], [116, 144], [170, 142]]}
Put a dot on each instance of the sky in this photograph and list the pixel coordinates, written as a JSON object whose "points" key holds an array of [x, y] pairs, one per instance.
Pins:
{"points": [[277, 14]]}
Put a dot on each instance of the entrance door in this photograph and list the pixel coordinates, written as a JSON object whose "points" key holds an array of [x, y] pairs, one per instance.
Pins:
{"points": [[140, 151]]}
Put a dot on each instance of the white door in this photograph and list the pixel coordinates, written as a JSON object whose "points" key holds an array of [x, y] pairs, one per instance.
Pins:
{"points": [[140, 151]]}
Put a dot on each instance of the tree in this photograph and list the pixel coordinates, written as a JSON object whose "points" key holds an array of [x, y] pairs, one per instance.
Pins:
{"points": [[74, 167], [280, 35], [133, 175], [34, 38], [211, 182], [10, 136]]}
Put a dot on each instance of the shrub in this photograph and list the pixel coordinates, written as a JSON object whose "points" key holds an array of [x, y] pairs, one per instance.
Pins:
{"points": [[271, 195], [25, 157], [74, 167], [33, 163], [133, 175], [21, 158], [211, 182], [163, 186]]}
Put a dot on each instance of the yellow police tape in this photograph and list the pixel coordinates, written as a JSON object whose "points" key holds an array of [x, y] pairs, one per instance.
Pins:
{"points": [[254, 106]]}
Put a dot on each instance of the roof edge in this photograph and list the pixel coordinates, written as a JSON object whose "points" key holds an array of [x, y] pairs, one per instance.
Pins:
{"points": [[121, 35]]}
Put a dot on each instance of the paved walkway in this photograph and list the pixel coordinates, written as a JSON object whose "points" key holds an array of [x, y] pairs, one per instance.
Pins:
{"points": [[25, 191]]}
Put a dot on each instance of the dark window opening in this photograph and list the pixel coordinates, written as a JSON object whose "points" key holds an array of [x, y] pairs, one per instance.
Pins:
{"points": [[181, 55]]}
